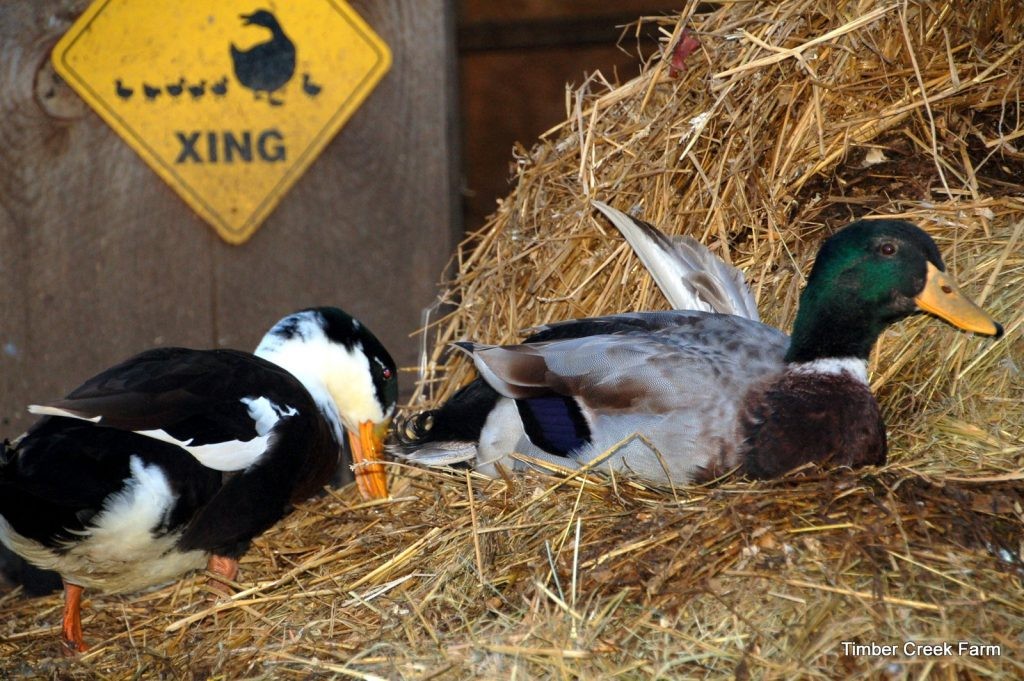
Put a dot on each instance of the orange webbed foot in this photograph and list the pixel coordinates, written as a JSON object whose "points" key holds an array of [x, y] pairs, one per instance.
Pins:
{"points": [[223, 572]]}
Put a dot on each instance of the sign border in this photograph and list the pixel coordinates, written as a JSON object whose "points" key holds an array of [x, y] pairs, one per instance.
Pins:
{"points": [[305, 158]]}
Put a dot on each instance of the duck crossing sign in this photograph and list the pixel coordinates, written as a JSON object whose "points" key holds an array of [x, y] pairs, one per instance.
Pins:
{"points": [[228, 101]]}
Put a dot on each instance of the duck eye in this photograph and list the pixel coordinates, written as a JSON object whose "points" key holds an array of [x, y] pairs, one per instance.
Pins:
{"points": [[387, 373], [887, 248]]}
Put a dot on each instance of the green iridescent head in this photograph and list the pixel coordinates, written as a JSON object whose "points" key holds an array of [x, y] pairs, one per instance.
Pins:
{"points": [[869, 275]]}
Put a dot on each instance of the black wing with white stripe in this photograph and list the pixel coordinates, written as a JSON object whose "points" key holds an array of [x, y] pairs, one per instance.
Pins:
{"points": [[198, 399]]}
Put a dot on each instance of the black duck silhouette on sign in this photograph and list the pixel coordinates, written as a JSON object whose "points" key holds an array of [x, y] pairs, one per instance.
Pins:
{"points": [[268, 66], [123, 92], [264, 68], [309, 87], [176, 88]]}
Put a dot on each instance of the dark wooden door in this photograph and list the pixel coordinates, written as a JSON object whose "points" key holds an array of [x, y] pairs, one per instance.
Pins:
{"points": [[99, 259]]}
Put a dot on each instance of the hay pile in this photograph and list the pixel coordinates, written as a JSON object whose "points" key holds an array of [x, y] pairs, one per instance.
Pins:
{"points": [[790, 120]]}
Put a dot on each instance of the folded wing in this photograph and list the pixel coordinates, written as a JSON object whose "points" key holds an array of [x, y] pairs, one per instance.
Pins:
{"points": [[219, 405]]}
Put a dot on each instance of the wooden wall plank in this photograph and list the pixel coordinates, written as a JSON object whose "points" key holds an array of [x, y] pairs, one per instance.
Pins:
{"points": [[95, 265], [99, 259]]}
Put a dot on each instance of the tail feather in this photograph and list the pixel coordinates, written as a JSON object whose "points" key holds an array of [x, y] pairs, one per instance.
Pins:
{"points": [[6, 455], [13, 567], [690, 276], [16, 570], [449, 433]]}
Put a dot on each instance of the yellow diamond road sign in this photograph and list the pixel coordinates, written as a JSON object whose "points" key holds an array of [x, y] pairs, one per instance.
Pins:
{"points": [[229, 101]]}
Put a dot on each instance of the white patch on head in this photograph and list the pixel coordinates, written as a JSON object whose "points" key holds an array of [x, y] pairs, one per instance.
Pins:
{"points": [[350, 382], [852, 366], [119, 551], [338, 379]]}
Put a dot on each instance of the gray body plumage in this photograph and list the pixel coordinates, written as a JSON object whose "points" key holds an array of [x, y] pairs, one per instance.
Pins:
{"points": [[679, 380]]}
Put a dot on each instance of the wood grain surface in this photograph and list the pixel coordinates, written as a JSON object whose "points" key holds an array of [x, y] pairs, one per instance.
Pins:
{"points": [[99, 259]]}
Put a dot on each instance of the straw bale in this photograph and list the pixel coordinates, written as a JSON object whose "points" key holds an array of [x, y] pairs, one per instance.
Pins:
{"points": [[788, 121]]}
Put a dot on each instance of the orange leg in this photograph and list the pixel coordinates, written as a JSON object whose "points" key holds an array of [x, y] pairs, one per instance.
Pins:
{"points": [[71, 627], [221, 567]]}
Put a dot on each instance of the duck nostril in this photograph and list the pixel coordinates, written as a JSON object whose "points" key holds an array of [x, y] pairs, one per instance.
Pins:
{"points": [[947, 289]]}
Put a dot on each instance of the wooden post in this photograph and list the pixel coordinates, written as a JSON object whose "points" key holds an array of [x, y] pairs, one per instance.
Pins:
{"points": [[99, 259]]}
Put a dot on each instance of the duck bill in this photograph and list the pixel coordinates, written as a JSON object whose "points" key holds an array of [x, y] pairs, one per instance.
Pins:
{"points": [[942, 298], [367, 452]]}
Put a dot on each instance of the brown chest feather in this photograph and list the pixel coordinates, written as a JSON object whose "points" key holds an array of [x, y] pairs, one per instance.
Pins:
{"points": [[801, 418]]}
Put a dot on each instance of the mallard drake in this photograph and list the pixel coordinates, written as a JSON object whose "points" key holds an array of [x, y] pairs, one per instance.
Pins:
{"points": [[688, 395], [178, 458]]}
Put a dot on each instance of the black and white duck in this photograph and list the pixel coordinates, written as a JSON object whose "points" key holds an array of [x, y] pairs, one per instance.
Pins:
{"points": [[708, 387], [177, 459]]}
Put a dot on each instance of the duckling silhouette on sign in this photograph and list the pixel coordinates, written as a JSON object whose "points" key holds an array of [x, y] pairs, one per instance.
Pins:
{"points": [[268, 66], [176, 88], [309, 87], [123, 92], [220, 88]]}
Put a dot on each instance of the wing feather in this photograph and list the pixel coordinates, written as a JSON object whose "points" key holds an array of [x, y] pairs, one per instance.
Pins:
{"points": [[690, 276], [646, 364], [210, 403]]}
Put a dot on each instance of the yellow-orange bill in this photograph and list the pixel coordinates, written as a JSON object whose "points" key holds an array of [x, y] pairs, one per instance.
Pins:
{"points": [[942, 298], [367, 449]]}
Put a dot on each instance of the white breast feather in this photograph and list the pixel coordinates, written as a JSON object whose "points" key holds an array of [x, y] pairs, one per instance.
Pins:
{"points": [[499, 437]]}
